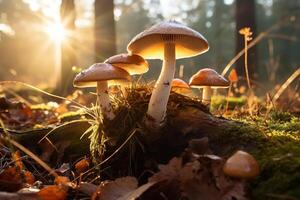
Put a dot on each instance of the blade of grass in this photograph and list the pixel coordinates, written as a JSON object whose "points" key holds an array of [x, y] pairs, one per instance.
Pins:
{"points": [[286, 84]]}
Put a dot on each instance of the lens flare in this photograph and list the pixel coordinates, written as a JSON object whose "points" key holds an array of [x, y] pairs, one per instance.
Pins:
{"points": [[56, 32]]}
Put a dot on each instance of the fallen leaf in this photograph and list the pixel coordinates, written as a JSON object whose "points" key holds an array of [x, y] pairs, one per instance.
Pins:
{"points": [[10, 179], [17, 159], [201, 178], [63, 168], [62, 180], [82, 165], [113, 190], [53, 192], [233, 77], [29, 178]]}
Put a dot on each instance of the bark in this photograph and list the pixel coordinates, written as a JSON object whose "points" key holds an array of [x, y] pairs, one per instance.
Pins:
{"points": [[105, 34], [245, 17]]}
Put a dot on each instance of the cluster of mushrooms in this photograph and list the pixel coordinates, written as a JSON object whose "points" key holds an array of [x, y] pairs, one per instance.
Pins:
{"points": [[167, 41]]}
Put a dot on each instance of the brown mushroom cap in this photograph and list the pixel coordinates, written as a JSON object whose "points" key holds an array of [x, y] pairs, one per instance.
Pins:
{"points": [[101, 72], [133, 64], [208, 77], [241, 165], [150, 43], [178, 83]]}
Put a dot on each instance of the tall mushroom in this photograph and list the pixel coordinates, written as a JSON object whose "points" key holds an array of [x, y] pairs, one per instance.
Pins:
{"points": [[99, 75], [167, 41], [207, 79]]}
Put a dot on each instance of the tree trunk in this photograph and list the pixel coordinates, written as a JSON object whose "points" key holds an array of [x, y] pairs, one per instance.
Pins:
{"points": [[68, 56], [219, 5], [245, 17], [105, 34]]}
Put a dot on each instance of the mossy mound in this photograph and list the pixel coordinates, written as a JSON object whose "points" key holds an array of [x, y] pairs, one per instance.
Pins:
{"points": [[273, 140], [275, 143]]}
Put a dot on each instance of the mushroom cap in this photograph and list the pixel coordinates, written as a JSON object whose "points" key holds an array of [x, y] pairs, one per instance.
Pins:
{"points": [[241, 165], [133, 64], [101, 72], [208, 77], [150, 42], [178, 83], [181, 87]]}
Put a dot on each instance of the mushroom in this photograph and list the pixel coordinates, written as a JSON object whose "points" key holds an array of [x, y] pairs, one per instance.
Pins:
{"points": [[241, 165], [180, 86], [133, 64], [207, 79], [100, 75], [167, 41]]}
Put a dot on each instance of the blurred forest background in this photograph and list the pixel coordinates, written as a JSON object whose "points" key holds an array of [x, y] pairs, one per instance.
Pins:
{"points": [[43, 40]]}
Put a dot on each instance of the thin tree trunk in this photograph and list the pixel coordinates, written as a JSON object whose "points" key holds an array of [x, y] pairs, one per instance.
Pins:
{"points": [[68, 56], [105, 33], [245, 17]]}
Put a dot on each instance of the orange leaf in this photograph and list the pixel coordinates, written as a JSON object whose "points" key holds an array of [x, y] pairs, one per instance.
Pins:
{"points": [[29, 178], [10, 179], [17, 159], [61, 180], [53, 192], [82, 165], [11, 174], [233, 77]]}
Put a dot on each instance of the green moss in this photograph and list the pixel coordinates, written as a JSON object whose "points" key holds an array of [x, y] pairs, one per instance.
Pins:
{"points": [[221, 101], [275, 143]]}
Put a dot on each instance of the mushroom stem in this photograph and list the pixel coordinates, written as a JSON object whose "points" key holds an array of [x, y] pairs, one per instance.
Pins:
{"points": [[103, 100], [206, 94], [160, 95]]}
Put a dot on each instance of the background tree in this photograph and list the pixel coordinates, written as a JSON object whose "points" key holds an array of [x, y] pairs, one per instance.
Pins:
{"points": [[68, 56], [104, 30]]}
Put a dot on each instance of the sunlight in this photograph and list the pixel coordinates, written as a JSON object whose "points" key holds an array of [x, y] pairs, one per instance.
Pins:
{"points": [[56, 32]]}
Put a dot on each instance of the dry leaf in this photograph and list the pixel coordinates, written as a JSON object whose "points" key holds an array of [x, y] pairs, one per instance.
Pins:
{"points": [[201, 178], [17, 159], [113, 190], [233, 77], [82, 165], [62, 180], [10, 179], [53, 192], [29, 178]]}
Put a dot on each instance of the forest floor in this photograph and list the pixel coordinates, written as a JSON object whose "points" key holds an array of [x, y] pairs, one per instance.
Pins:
{"points": [[183, 160]]}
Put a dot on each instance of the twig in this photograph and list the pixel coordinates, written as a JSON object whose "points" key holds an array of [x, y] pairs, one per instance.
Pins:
{"points": [[286, 84], [34, 157]]}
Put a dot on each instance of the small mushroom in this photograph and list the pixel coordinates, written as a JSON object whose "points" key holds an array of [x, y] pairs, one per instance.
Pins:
{"points": [[167, 41], [207, 79], [181, 87], [241, 165], [100, 75], [133, 64]]}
